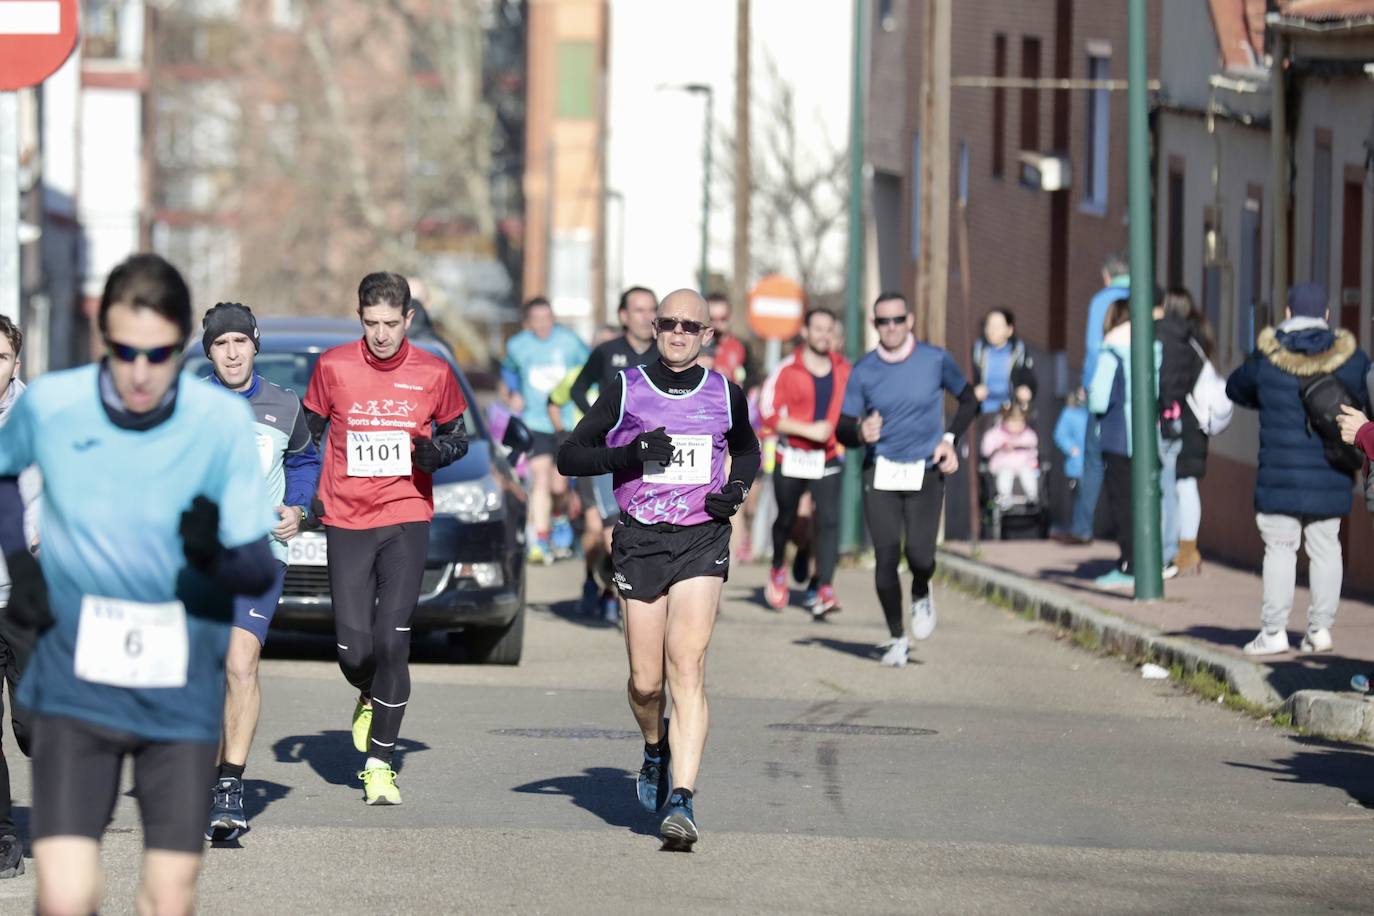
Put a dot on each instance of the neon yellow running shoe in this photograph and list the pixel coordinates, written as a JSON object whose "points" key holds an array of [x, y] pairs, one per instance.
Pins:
{"points": [[379, 786], [362, 726]]}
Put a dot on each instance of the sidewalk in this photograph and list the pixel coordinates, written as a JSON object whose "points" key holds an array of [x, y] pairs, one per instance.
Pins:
{"points": [[1208, 616]]}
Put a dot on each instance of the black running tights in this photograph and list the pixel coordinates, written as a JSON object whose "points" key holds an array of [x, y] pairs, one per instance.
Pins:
{"points": [[825, 495], [894, 517]]}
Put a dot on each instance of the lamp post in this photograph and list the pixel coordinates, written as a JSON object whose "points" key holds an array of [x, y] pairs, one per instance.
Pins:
{"points": [[703, 274]]}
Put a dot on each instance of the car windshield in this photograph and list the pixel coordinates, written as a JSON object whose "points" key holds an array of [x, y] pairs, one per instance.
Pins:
{"points": [[292, 370]]}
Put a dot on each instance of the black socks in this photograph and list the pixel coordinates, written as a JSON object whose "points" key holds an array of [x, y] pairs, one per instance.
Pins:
{"points": [[235, 770]]}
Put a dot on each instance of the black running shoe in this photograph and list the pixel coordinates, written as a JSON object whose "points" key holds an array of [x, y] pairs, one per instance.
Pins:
{"points": [[679, 828], [11, 856], [227, 821]]}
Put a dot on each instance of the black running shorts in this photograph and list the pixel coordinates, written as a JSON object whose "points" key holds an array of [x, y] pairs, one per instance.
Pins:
{"points": [[649, 559], [76, 768]]}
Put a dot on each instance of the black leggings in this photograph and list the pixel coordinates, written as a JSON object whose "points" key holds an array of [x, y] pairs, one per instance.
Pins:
{"points": [[825, 494], [1116, 480], [374, 580], [15, 646], [893, 516]]}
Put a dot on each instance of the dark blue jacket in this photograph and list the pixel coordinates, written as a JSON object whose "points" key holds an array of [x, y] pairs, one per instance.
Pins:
{"points": [[1294, 475]]}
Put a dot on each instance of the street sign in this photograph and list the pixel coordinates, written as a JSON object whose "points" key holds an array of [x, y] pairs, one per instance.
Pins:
{"points": [[36, 37], [776, 306]]}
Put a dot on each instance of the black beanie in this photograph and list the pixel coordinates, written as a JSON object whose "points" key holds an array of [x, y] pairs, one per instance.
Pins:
{"points": [[225, 318]]}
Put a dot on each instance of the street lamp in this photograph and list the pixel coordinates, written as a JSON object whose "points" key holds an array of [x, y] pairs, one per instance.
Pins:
{"points": [[703, 275]]}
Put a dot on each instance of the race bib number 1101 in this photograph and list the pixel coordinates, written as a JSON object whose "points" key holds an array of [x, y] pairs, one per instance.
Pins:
{"points": [[384, 453]]}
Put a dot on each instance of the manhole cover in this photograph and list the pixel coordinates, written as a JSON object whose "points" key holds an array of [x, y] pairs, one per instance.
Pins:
{"points": [[575, 734], [886, 731]]}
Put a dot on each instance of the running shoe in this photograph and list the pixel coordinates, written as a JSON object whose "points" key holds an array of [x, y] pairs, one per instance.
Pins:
{"points": [[591, 599], [11, 856], [809, 598], [227, 821], [362, 726], [610, 608], [379, 786], [826, 602], [775, 592], [561, 538], [539, 552], [652, 785], [897, 653], [923, 617], [679, 828]]}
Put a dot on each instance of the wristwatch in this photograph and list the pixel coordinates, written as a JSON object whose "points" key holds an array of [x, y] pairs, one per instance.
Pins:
{"points": [[304, 514]]}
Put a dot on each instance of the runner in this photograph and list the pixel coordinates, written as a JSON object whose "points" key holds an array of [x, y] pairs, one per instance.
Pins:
{"points": [[894, 406], [671, 548], [539, 356], [379, 397], [801, 400], [15, 644], [292, 467], [732, 357], [633, 348], [131, 592]]}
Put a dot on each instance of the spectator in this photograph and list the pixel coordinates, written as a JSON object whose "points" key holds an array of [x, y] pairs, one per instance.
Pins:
{"points": [[1069, 431], [1002, 370], [1186, 343], [1012, 450], [1300, 496]]}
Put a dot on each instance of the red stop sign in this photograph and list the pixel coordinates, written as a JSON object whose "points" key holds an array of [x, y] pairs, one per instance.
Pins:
{"points": [[36, 37]]}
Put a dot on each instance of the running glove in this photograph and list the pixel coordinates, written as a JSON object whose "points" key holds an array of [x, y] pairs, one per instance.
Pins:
{"points": [[200, 534], [28, 607], [427, 457], [723, 505], [653, 445]]}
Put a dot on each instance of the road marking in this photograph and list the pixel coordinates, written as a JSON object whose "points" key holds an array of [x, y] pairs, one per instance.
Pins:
{"points": [[30, 17]]}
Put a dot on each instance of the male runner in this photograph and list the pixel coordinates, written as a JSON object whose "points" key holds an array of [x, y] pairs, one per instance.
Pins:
{"points": [[802, 402], [379, 396], [664, 431], [894, 406], [291, 465], [540, 356], [132, 598], [732, 357]]}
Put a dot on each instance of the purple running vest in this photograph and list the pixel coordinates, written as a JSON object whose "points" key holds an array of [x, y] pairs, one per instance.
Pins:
{"points": [[703, 412]]}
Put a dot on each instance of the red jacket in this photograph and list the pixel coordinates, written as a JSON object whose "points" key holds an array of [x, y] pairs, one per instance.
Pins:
{"points": [[790, 392]]}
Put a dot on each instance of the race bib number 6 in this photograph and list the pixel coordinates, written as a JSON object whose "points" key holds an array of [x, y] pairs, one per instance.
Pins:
{"points": [[131, 644], [691, 462], [383, 453]]}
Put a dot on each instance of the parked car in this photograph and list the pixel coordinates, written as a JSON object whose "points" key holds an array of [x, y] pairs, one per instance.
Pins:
{"points": [[474, 579]]}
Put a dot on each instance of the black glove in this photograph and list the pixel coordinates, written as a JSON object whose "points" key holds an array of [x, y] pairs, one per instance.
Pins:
{"points": [[654, 445], [200, 534], [723, 505], [427, 457], [28, 607], [312, 522]]}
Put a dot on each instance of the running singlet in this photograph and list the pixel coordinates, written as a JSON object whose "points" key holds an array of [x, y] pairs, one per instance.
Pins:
{"points": [[374, 407], [112, 552], [542, 364], [674, 493]]}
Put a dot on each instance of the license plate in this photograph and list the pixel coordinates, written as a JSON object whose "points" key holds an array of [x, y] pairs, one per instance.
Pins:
{"points": [[307, 549]]}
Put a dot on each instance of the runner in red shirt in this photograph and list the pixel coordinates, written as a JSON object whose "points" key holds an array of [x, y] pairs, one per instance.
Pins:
{"points": [[732, 357], [380, 396]]}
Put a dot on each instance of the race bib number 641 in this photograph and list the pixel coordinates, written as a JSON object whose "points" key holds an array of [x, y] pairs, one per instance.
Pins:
{"points": [[691, 462]]}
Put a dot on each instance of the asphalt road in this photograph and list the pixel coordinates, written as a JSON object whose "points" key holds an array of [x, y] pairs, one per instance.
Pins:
{"points": [[1002, 772]]}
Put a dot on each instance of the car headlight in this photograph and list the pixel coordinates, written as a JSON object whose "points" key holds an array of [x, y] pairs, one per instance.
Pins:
{"points": [[469, 501]]}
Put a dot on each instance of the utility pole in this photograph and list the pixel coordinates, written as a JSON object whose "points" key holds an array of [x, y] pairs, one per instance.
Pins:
{"points": [[9, 205], [740, 276], [933, 261], [1147, 560], [853, 312], [705, 272]]}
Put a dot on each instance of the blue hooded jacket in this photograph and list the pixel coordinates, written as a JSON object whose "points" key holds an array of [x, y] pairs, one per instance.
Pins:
{"points": [[1294, 476]]}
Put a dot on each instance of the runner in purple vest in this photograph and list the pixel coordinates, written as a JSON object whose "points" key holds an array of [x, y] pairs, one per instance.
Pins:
{"points": [[678, 440]]}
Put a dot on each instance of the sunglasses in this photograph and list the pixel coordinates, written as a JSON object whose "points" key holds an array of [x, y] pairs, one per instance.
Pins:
{"points": [[669, 325], [155, 355], [883, 322]]}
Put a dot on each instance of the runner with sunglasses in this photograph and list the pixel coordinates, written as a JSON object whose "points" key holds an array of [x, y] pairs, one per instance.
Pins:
{"points": [[664, 430], [380, 397], [131, 595], [894, 409]]}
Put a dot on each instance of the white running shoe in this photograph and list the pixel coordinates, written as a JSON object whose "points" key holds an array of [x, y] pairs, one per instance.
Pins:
{"points": [[923, 617], [897, 654], [1267, 643], [1318, 640]]}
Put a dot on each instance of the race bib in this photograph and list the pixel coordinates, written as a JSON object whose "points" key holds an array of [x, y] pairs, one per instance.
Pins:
{"points": [[131, 644], [382, 453], [691, 462], [266, 452], [547, 378], [898, 475], [803, 463]]}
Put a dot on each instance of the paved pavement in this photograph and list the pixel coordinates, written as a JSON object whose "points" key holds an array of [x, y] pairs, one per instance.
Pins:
{"points": [[1002, 772]]}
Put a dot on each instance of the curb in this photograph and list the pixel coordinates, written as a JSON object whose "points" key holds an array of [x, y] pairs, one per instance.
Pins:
{"points": [[1320, 712]]}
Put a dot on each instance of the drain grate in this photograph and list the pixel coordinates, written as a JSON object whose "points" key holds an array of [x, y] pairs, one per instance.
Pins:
{"points": [[573, 734], [886, 731]]}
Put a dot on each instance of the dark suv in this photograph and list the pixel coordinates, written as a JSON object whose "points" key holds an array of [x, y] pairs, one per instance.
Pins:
{"points": [[474, 580]]}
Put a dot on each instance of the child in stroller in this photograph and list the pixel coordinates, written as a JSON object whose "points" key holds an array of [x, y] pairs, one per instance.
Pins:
{"points": [[1011, 453]]}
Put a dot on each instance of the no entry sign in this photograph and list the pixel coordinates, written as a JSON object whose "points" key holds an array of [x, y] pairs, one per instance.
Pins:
{"points": [[36, 37]]}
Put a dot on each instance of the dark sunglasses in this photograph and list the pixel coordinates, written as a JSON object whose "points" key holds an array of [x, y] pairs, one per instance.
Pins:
{"points": [[155, 355], [881, 322], [669, 325]]}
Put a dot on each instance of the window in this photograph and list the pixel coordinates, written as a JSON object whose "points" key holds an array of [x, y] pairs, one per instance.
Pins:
{"points": [[1174, 264], [1099, 134], [1030, 97], [1352, 242], [576, 79], [1321, 209], [999, 106], [887, 18], [1250, 278]]}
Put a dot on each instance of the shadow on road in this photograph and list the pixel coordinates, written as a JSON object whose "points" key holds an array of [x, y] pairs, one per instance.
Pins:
{"points": [[571, 611], [331, 754], [1337, 764], [864, 650], [258, 794], [607, 792]]}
